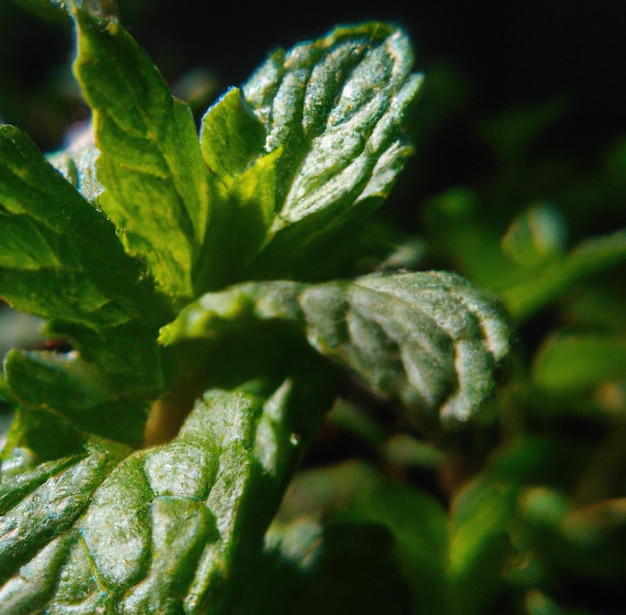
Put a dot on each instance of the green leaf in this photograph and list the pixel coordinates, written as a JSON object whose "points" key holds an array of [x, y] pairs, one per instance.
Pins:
{"points": [[62, 260], [468, 239], [106, 386], [150, 163], [335, 106], [430, 339], [42, 497], [183, 514], [594, 255], [231, 137], [246, 208], [419, 528], [349, 539], [35, 438], [71, 386], [527, 267], [60, 256], [317, 561], [598, 307], [538, 603], [480, 544], [333, 111], [575, 363], [586, 542], [536, 236]]}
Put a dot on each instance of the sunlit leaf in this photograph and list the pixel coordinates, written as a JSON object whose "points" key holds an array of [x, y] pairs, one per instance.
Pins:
{"points": [[430, 339]]}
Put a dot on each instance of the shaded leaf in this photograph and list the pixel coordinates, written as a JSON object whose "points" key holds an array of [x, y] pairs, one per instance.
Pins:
{"points": [[419, 529], [536, 236], [525, 297], [469, 239], [348, 537], [78, 391], [538, 603], [63, 261], [480, 544], [586, 542], [60, 257], [575, 363]]}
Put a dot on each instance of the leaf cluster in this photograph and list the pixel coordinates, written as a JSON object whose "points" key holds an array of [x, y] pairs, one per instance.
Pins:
{"points": [[218, 300]]}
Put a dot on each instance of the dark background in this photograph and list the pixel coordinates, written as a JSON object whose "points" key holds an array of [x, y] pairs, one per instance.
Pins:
{"points": [[512, 52], [480, 60]]}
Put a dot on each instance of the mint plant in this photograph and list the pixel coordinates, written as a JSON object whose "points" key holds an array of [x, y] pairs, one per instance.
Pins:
{"points": [[225, 295], [183, 271]]}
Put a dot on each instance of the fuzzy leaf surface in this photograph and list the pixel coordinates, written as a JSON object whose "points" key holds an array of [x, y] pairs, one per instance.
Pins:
{"points": [[331, 113], [430, 339], [178, 512], [77, 163]]}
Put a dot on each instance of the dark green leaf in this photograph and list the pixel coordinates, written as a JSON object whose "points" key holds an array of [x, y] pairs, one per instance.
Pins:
{"points": [[128, 357], [76, 390], [60, 257], [586, 541], [418, 526], [468, 239], [62, 260], [527, 267], [480, 544], [350, 537], [538, 603]]}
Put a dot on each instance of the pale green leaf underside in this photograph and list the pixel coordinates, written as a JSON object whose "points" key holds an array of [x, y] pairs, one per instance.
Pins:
{"points": [[148, 532], [430, 339], [150, 163], [77, 163]]}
